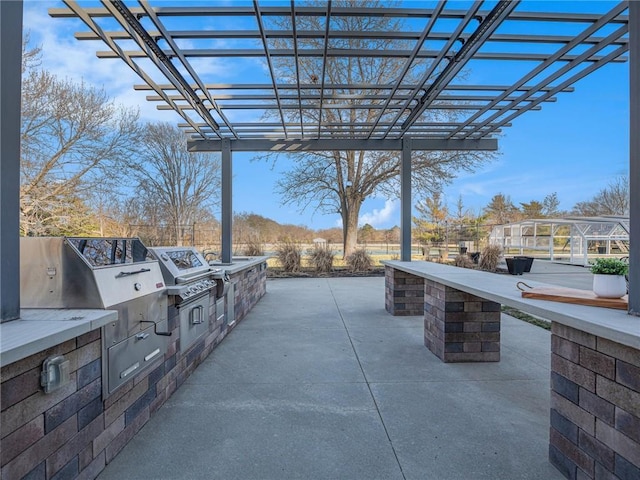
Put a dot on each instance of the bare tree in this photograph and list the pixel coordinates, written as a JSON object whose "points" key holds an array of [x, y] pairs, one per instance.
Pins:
{"points": [[179, 186], [612, 200], [73, 139], [30, 55], [339, 182]]}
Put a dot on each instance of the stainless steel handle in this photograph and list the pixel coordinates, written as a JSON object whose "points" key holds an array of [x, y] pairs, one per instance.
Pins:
{"points": [[155, 328], [142, 336], [126, 274], [197, 315]]}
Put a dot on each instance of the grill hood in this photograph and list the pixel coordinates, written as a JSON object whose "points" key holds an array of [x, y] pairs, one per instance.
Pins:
{"points": [[66, 272]]}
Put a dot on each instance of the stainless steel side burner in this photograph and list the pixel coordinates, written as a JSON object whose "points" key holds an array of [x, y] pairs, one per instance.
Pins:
{"points": [[102, 273]]}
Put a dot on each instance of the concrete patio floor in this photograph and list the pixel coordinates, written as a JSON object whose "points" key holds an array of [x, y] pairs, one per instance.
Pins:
{"points": [[319, 382]]}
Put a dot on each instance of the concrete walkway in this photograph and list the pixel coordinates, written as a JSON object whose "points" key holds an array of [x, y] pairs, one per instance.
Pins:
{"points": [[319, 382]]}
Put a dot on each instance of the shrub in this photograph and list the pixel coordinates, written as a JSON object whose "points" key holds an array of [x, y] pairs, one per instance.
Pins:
{"points": [[489, 258], [289, 254], [321, 258], [359, 261], [463, 260], [253, 248], [609, 266]]}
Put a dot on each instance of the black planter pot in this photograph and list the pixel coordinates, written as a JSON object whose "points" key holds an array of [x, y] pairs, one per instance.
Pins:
{"points": [[528, 263], [516, 265], [463, 250]]}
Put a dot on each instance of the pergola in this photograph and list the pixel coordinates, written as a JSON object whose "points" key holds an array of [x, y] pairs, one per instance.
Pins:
{"points": [[292, 103]]}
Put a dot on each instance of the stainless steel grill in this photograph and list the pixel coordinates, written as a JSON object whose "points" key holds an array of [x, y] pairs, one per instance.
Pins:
{"points": [[102, 273], [190, 283]]}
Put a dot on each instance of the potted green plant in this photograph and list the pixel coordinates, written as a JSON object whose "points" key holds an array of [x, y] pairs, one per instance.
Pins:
{"points": [[608, 277]]}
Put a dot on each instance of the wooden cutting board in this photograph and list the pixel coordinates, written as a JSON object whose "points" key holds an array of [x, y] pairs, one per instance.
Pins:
{"points": [[575, 296]]}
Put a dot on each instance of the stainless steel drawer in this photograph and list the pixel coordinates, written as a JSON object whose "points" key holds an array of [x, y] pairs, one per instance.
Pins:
{"points": [[135, 354]]}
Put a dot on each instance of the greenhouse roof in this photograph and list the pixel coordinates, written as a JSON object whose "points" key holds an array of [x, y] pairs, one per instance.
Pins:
{"points": [[598, 220]]}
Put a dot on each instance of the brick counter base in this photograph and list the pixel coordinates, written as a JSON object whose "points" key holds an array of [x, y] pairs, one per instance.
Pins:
{"points": [[595, 406], [460, 327], [404, 292]]}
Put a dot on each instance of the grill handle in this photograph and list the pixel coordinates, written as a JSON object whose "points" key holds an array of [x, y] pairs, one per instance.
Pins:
{"points": [[126, 274], [155, 326]]}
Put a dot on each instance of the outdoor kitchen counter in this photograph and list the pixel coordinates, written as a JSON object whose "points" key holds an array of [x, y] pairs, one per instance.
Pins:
{"points": [[615, 325], [239, 264], [595, 358], [39, 329]]}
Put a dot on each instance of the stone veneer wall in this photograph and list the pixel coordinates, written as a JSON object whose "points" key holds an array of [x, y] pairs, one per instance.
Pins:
{"points": [[460, 327], [404, 292], [250, 286], [595, 406], [74, 432]]}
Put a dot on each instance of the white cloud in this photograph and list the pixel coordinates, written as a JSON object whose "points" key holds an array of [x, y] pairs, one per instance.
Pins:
{"points": [[377, 218], [76, 61]]}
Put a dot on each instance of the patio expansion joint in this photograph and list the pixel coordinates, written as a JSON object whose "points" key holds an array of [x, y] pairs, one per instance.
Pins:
{"points": [[533, 360], [464, 380], [341, 382], [373, 398]]}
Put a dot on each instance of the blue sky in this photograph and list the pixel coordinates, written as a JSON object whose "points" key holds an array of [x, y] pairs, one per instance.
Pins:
{"points": [[574, 147]]}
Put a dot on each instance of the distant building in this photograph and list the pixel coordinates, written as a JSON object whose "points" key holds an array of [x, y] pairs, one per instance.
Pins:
{"points": [[572, 239]]}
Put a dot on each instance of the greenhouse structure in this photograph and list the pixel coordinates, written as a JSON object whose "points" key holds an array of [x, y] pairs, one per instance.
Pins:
{"points": [[573, 240]]}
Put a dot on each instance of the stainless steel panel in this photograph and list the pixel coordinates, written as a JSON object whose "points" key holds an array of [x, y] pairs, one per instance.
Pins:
{"points": [[231, 304], [194, 321], [134, 355], [180, 264], [121, 283], [220, 309], [134, 315], [54, 275]]}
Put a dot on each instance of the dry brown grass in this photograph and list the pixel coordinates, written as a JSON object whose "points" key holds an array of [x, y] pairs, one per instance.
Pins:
{"points": [[289, 255], [321, 258], [253, 248], [489, 258], [359, 261], [464, 261]]}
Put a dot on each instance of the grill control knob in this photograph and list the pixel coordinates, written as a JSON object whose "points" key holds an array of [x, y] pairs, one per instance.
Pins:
{"points": [[137, 287]]}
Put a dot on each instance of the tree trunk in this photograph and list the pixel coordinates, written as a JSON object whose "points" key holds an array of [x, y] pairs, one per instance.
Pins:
{"points": [[178, 235], [350, 216]]}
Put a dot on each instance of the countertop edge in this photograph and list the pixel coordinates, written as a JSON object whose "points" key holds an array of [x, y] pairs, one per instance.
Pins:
{"points": [[240, 265], [612, 324], [39, 329]]}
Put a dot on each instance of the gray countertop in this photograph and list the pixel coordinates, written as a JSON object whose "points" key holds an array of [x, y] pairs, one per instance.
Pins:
{"points": [[615, 325], [39, 329], [239, 264]]}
